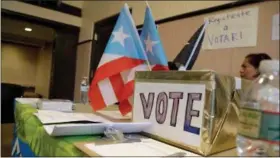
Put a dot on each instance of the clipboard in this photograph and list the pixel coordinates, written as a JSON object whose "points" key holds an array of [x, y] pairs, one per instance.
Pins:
{"points": [[81, 146], [152, 148]]}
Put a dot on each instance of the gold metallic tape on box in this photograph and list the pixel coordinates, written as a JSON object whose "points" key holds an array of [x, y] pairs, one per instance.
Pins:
{"points": [[220, 117]]}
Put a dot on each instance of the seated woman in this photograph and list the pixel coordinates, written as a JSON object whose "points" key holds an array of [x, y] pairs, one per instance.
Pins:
{"points": [[250, 66]]}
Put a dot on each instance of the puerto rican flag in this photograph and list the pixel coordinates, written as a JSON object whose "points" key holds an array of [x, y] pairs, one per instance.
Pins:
{"points": [[152, 43], [114, 77]]}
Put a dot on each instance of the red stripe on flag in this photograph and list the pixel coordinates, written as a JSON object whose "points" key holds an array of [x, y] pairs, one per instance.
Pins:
{"points": [[114, 67], [160, 67], [118, 85], [112, 71], [96, 98], [123, 92], [125, 107], [127, 90]]}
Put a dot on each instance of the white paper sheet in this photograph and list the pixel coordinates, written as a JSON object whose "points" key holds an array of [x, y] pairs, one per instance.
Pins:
{"points": [[57, 105], [148, 147], [74, 129], [49, 116], [115, 114], [97, 128], [275, 27]]}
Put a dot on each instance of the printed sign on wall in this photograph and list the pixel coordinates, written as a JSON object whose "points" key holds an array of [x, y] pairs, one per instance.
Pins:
{"points": [[234, 29], [275, 27], [175, 110]]}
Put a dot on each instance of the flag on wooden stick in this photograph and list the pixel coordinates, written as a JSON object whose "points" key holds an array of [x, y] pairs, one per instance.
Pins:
{"points": [[123, 55], [152, 43]]}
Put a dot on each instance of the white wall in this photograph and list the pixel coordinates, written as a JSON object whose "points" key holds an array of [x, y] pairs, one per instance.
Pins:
{"points": [[18, 64], [97, 10], [27, 66]]}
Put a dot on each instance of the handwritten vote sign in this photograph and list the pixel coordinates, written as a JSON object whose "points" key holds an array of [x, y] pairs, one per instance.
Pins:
{"points": [[175, 110], [233, 29]]}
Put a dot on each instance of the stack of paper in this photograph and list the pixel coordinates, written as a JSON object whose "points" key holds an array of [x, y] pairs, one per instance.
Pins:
{"points": [[58, 123], [97, 128], [147, 147], [55, 117], [30, 101], [58, 105]]}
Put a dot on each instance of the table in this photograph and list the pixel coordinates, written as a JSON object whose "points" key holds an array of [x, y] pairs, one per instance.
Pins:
{"points": [[31, 139]]}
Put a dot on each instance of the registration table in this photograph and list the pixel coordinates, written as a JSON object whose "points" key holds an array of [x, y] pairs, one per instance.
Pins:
{"points": [[31, 139]]}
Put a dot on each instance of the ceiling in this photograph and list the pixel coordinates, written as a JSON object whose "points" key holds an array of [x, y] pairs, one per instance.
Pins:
{"points": [[14, 31]]}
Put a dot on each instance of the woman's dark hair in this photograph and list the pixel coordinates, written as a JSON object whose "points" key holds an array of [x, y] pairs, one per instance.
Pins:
{"points": [[255, 59]]}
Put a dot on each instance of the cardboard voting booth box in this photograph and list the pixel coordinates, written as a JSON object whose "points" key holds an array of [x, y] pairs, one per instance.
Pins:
{"points": [[193, 110]]}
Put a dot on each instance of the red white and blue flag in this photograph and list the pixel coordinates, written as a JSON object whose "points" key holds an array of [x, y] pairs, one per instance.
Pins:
{"points": [[114, 77], [152, 44]]}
